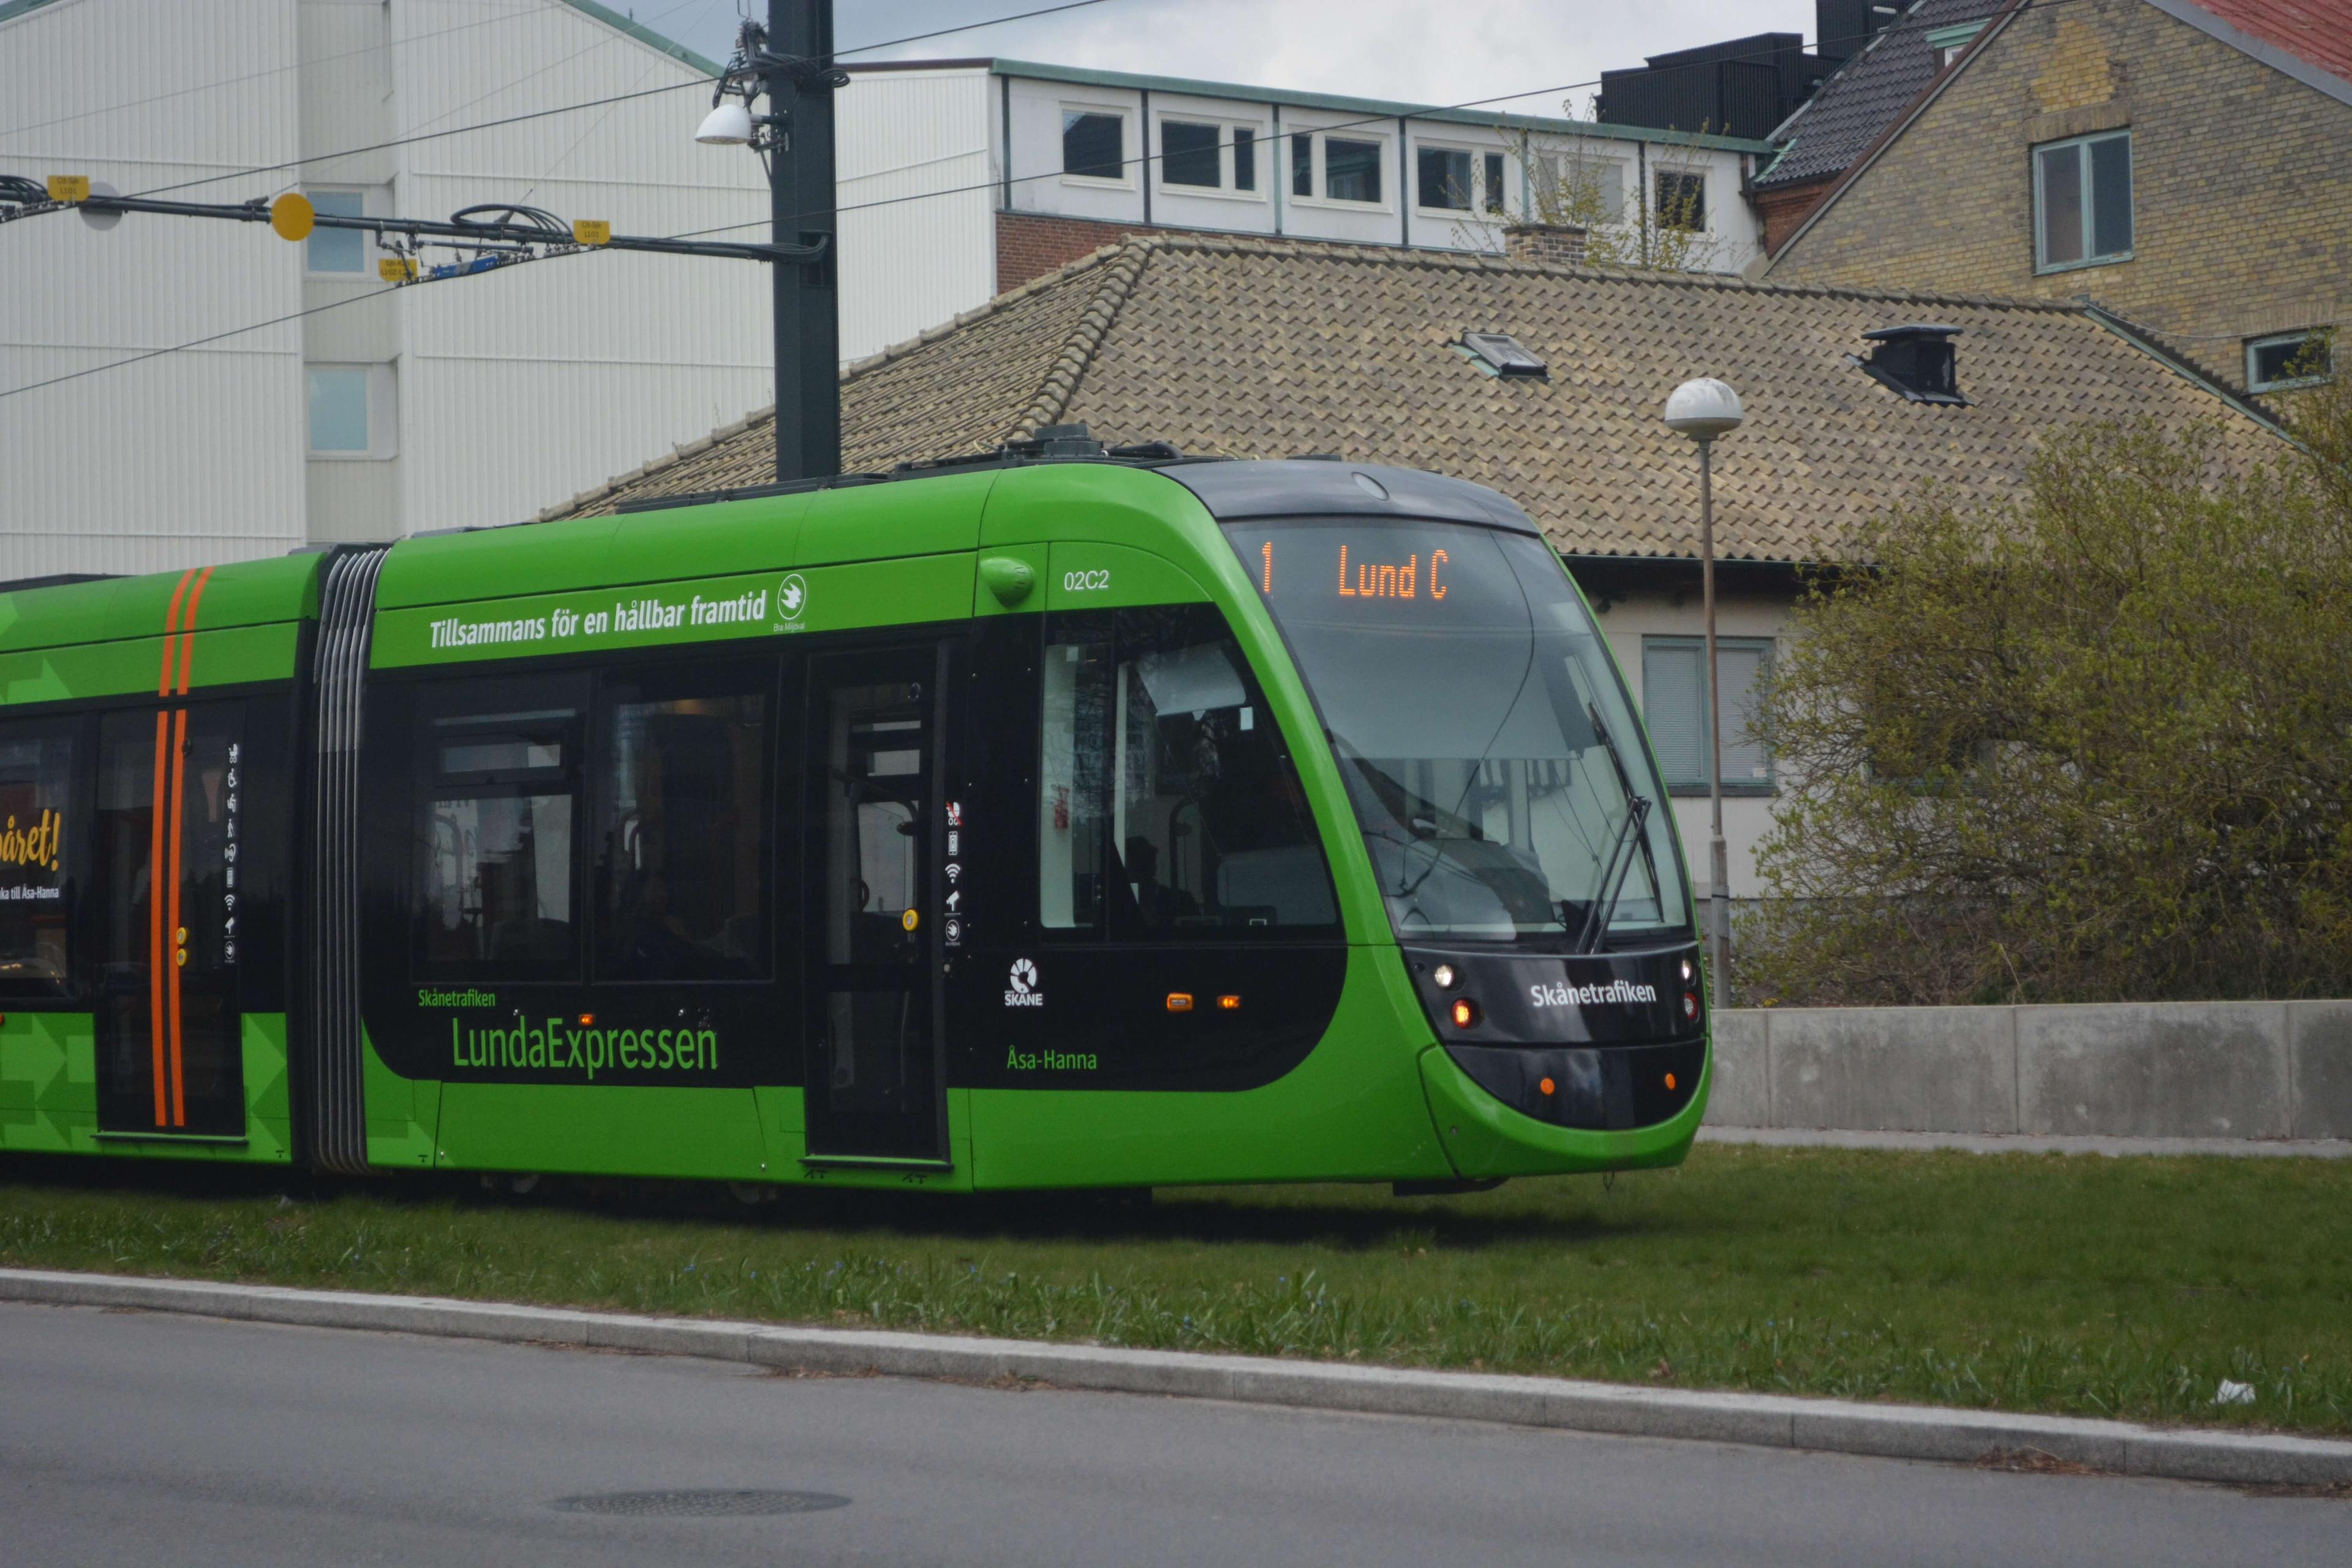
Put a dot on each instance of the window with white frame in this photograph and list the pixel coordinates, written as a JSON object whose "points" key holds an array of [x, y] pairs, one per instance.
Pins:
{"points": [[336, 250], [351, 410], [1344, 169], [2082, 201], [1351, 169], [1192, 153], [1201, 155], [1443, 181], [1674, 709], [1573, 187], [1681, 200], [1459, 181], [2285, 360], [1094, 144]]}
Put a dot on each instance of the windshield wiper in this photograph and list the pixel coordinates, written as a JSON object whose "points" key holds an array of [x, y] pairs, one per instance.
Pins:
{"points": [[1612, 880], [1621, 860]]}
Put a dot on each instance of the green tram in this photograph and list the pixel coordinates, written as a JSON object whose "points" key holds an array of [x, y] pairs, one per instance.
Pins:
{"points": [[1064, 818]]}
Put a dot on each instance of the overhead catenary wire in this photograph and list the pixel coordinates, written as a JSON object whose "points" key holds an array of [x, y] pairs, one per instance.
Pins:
{"points": [[195, 343], [378, 293], [700, 83], [891, 200], [1147, 157], [516, 14], [597, 124]]}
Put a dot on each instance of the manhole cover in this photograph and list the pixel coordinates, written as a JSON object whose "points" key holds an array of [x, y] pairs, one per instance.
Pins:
{"points": [[701, 1503]]}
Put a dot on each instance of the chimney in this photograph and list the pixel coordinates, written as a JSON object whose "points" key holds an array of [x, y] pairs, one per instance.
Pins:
{"points": [[1559, 243]]}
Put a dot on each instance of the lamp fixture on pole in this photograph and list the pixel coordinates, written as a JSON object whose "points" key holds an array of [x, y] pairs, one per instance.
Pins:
{"points": [[1703, 409]]}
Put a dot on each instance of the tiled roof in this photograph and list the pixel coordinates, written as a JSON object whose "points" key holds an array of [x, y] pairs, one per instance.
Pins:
{"points": [[1839, 123], [2316, 32], [1265, 348]]}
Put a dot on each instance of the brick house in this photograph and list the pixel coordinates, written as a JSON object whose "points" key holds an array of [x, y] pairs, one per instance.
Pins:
{"points": [[1850, 111], [2179, 162], [1238, 346]]}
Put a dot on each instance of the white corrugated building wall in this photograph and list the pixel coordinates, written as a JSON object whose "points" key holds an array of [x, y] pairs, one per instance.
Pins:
{"points": [[474, 401]]}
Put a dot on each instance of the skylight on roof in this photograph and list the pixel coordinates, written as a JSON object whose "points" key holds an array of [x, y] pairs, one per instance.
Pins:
{"points": [[1501, 354], [1915, 361]]}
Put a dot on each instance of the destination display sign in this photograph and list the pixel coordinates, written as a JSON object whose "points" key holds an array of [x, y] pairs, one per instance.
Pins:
{"points": [[1368, 572]]}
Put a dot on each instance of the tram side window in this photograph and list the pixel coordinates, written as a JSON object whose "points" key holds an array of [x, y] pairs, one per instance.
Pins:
{"points": [[494, 844], [682, 854], [1172, 800], [1074, 776], [37, 802]]}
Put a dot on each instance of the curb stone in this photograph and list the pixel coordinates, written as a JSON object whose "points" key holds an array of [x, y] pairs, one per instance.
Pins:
{"points": [[1762, 1420]]}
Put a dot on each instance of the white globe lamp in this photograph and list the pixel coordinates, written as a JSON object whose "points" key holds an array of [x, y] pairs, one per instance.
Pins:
{"points": [[1704, 409]]}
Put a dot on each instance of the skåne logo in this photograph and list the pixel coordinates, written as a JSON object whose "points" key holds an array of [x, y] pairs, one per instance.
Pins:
{"points": [[1023, 983], [792, 596], [1627, 991]]}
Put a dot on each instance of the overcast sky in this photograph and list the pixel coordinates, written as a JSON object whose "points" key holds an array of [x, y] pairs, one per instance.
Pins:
{"points": [[1452, 52]]}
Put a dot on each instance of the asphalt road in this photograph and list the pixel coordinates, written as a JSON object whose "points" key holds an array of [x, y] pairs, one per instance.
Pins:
{"points": [[141, 1438]]}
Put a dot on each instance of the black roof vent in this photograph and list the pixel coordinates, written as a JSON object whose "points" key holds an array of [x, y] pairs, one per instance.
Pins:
{"points": [[1499, 353], [1916, 361]]}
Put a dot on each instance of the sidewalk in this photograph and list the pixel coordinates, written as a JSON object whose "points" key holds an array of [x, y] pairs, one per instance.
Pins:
{"points": [[1778, 1421], [2027, 1143]]}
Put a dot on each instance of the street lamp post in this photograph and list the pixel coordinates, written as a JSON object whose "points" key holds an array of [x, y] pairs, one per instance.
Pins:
{"points": [[1703, 409]]}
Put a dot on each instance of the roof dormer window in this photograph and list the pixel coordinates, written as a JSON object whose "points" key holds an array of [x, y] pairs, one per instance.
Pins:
{"points": [[1916, 361]]}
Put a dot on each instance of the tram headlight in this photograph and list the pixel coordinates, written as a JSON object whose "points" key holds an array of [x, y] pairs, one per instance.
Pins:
{"points": [[1445, 976], [1465, 1013]]}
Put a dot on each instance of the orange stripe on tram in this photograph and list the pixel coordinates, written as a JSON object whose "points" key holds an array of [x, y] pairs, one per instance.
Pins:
{"points": [[172, 932], [172, 625], [188, 630], [155, 911]]}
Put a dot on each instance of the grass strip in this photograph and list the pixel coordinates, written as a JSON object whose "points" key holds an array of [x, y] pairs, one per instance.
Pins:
{"points": [[2125, 1287]]}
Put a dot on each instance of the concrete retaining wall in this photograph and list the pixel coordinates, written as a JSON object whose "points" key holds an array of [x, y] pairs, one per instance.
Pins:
{"points": [[2170, 1070]]}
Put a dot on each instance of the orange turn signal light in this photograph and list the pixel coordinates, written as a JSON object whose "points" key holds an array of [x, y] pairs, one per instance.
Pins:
{"points": [[1670, 1080], [1465, 1013], [1545, 1087], [586, 1020], [1179, 1001], [1229, 1004]]}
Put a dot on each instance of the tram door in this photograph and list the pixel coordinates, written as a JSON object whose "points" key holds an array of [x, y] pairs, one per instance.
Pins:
{"points": [[876, 1056], [171, 1058]]}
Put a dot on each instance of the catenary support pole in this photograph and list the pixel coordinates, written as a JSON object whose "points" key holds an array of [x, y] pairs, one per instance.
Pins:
{"points": [[1719, 913], [801, 212]]}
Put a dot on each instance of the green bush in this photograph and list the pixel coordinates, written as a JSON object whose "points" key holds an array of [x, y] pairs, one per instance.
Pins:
{"points": [[2093, 746]]}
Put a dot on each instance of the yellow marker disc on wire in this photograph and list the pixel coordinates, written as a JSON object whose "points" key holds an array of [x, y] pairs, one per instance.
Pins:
{"points": [[291, 216]]}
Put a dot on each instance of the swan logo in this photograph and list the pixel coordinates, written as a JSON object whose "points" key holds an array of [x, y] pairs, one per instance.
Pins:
{"points": [[792, 596], [1022, 987]]}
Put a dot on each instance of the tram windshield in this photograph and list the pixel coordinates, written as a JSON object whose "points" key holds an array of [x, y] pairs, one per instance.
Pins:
{"points": [[1496, 769]]}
